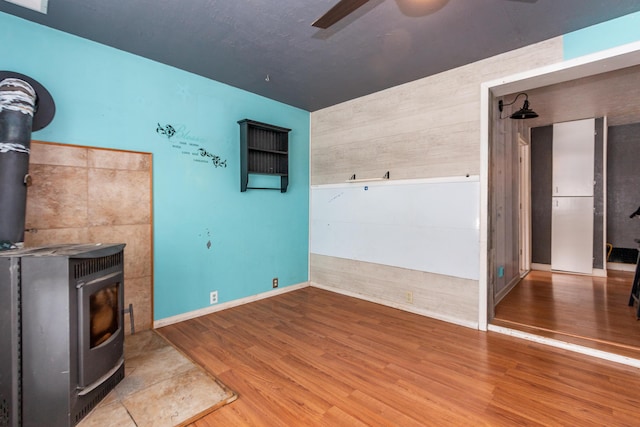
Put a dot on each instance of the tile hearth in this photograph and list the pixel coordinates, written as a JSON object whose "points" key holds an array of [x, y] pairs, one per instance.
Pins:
{"points": [[161, 388]]}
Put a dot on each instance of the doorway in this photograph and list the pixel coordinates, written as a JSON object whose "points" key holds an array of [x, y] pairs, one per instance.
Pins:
{"points": [[589, 309], [491, 91]]}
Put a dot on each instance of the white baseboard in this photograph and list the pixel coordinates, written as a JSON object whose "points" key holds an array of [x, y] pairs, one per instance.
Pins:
{"points": [[399, 306], [611, 357], [235, 303], [598, 272], [540, 267], [620, 266], [219, 307]]}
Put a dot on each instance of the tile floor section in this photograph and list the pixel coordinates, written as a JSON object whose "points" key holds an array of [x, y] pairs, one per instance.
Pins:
{"points": [[161, 388]]}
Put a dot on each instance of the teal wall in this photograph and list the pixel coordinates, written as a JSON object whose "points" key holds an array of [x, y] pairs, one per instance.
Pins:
{"points": [[606, 35], [111, 99]]}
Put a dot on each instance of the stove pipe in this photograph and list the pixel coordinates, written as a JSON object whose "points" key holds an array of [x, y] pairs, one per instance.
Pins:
{"points": [[19, 103]]}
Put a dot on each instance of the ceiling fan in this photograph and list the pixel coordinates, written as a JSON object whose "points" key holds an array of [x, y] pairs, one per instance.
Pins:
{"points": [[337, 12], [345, 7]]}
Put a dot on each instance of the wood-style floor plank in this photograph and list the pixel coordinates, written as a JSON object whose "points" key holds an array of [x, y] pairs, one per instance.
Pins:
{"points": [[316, 358], [585, 310]]}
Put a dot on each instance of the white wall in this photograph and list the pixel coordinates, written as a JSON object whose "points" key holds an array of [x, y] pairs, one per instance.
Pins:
{"points": [[428, 128]]}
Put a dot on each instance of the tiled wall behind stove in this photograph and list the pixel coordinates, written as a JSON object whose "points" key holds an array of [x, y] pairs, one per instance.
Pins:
{"points": [[90, 195]]}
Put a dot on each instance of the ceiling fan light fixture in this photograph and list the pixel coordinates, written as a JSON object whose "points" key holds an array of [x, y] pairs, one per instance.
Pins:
{"points": [[416, 8]]}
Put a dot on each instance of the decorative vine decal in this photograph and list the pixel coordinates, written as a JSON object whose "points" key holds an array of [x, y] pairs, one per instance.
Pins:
{"points": [[189, 145], [217, 161], [167, 130]]}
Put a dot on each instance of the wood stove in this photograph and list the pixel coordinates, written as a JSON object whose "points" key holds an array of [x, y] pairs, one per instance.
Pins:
{"points": [[61, 332]]}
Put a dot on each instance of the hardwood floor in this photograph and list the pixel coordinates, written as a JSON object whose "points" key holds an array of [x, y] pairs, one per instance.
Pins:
{"points": [[315, 358], [585, 310]]}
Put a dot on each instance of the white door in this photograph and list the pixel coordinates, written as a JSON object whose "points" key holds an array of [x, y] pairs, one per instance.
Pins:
{"points": [[573, 158], [572, 204], [572, 234]]}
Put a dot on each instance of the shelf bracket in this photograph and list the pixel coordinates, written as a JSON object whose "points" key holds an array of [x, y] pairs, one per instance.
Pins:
{"points": [[284, 183], [353, 178]]}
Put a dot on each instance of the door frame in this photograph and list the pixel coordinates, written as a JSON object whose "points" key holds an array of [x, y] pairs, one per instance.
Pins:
{"points": [[597, 63], [524, 195]]}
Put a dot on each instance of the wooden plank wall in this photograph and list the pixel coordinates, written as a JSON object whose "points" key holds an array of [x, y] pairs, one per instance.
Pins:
{"points": [[504, 207], [423, 129]]}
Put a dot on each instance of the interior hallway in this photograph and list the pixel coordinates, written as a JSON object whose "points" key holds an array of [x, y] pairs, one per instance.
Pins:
{"points": [[584, 310]]}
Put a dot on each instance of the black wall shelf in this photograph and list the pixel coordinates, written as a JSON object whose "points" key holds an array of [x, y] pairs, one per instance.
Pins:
{"points": [[264, 150]]}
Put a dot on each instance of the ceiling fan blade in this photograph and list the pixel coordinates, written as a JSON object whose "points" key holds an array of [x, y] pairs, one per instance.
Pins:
{"points": [[337, 12]]}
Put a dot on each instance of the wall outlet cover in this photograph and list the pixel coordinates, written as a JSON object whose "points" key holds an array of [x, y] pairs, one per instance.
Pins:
{"points": [[410, 297]]}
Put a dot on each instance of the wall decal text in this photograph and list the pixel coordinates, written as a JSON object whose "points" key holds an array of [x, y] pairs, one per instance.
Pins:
{"points": [[189, 145]]}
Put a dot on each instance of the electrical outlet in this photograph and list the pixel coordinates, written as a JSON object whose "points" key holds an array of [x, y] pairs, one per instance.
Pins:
{"points": [[275, 282], [410, 297], [213, 297]]}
